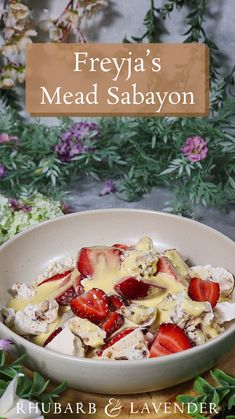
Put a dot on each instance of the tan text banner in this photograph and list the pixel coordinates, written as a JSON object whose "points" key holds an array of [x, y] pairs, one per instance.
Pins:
{"points": [[117, 79]]}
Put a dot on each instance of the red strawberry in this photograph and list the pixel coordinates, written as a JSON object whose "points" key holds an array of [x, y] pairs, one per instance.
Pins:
{"points": [[84, 264], [165, 266], [112, 323], [65, 298], [117, 337], [79, 289], [92, 305], [133, 288], [200, 290], [121, 247], [169, 339], [56, 277], [115, 302], [52, 336], [88, 258]]}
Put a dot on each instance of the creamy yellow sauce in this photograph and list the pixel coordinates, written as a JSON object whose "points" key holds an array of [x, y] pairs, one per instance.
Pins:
{"points": [[43, 292], [108, 271]]}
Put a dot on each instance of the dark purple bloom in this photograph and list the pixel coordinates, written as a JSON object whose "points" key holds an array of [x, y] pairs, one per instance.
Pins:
{"points": [[195, 149], [2, 170], [80, 138], [19, 206], [6, 345], [109, 187], [6, 138]]}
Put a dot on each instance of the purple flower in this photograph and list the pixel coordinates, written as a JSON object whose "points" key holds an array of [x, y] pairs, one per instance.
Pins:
{"points": [[195, 149], [80, 138], [2, 170], [109, 187], [19, 206], [5, 138], [6, 345]]}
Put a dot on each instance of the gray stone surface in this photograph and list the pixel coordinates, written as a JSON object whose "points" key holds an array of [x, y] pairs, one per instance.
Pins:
{"points": [[85, 196]]}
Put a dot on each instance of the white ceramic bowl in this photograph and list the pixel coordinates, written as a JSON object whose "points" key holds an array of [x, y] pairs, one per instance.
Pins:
{"points": [[23, 257]]}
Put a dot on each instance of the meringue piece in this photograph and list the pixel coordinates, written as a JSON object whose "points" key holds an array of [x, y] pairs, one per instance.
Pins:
{"points": [[225, 312], [171, 310], [35, 318], [22, 291], [218, 274], [140, 261], [79, 350], [194, 331], [56, 267], [24, 325], [91, 334], [8, 315], [131, 347], [65, 317], [139, 314], [66, 343]]}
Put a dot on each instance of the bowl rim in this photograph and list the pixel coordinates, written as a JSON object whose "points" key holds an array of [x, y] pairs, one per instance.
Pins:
{"points": [[19, 340]]}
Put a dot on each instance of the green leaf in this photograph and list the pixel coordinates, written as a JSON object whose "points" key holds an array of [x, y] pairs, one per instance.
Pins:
{"points": [[39, 384], [231, 401], [223, 378], [201, 386]]}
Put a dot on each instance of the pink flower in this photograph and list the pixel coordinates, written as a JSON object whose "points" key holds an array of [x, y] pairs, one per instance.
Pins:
{"points": [[6, 345], [5, 138], [195, 149], [18, 206], [109, 187], [2, 170]]}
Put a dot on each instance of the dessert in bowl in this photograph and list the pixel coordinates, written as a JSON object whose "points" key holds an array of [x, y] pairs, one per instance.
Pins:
{"points": [[119, 318]]}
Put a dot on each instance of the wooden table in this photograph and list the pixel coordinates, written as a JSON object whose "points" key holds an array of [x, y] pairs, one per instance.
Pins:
{"points": [[140, 401]]}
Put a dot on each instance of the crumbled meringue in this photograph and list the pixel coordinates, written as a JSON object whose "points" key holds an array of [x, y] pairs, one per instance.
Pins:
{"points": [[131, 347], [56, 267], [8, 315], [225, 312], [193, 330], [139, 314], [35, 318], [66, 343], [90, 334], [140, 261], [218, 274], [23, 291]]}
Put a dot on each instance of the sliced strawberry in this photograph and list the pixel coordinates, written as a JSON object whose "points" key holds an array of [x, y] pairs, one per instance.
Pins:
{"points": [[200, 290], [84, 263], [88, 258], [92, 305], [67, 296], [79, 289], [165, 266], [122, 247], [56, 277], [169, 339], [117, 337], [133, 288], [52, 336], [112, 323], [115, 302]]}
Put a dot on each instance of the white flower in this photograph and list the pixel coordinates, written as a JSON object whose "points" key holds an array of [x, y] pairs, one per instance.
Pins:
{"points": [[9, 51], [10, 404], [55, 33], [70, 18], [15, 13]]}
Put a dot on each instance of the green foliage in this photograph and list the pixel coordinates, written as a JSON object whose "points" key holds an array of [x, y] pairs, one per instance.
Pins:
{"points": [[222, 395], [34, 389], [139, 153]]}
